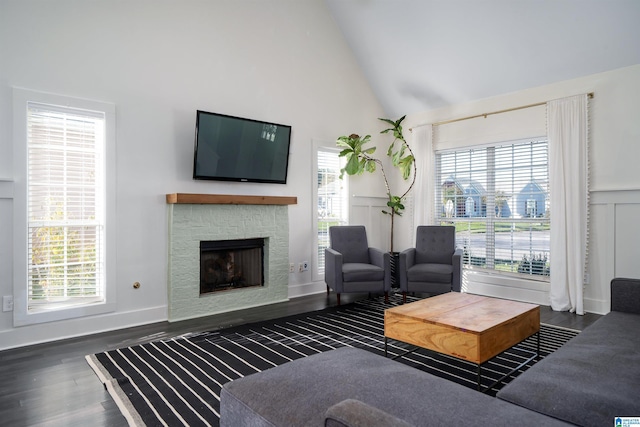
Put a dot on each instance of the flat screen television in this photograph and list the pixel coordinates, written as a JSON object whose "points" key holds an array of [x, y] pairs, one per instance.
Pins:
{"points": [[229, 148]]}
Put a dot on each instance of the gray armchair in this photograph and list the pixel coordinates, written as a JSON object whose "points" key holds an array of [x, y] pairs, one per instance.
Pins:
{"points": [[434, 265], [352, 266]]}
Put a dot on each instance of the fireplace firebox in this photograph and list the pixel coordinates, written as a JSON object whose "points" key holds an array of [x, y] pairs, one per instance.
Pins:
{"points": [[231, 264]]}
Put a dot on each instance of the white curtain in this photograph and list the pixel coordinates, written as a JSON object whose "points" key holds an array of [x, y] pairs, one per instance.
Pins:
{"points": [[567, 123], [422, 146]]}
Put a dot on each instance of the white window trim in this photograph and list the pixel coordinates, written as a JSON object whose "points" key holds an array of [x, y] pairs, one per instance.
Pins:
{"points": [[21, 315]]}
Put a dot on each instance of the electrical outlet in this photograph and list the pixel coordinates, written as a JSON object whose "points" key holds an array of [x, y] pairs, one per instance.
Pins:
{"points": [[7, 303], [292, 267], [305, 266]]}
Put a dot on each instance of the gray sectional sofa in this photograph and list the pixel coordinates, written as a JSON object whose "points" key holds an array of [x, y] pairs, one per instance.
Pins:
{"points": [[589, 381]]}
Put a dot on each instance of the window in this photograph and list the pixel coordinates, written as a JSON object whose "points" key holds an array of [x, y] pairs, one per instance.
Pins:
{"points": [[62, 207], [331, 198], [65, 206], [498, 199]]}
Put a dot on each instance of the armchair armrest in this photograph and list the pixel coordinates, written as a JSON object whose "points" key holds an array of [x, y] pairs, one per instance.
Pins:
{"points": [[456, 261], [376, 256], [408, 256], [333, 269], [625, 295], [382, 260], [406, 260]]}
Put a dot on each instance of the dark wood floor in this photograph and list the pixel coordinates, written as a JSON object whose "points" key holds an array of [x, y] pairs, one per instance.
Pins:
{"points": [[52, 384]]}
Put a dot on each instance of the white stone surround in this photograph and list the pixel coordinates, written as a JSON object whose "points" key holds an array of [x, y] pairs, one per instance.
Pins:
{"points": [[191, 223]]}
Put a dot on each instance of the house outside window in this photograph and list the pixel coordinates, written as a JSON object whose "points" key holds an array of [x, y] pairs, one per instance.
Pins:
{"points": [[497, 198]]}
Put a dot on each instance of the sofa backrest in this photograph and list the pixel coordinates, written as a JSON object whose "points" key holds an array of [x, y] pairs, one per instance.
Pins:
{"points": [[625, 295]]}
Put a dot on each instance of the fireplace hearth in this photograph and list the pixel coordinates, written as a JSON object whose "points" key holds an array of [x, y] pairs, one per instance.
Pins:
{"points": [[231, 264]]}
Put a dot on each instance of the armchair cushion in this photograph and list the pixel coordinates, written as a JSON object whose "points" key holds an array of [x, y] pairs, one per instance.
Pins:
{"points": [[358, 272], [435, 273]]}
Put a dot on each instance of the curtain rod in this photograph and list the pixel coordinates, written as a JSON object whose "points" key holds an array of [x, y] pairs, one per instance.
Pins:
{"points": [[590, 95]]}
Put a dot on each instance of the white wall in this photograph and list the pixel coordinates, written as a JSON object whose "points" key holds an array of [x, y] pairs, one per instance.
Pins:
{"points": [[158, 62], [615, 183]]}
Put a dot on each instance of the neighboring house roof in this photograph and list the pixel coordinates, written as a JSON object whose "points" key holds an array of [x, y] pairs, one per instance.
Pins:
{"points": [[465, 184]]}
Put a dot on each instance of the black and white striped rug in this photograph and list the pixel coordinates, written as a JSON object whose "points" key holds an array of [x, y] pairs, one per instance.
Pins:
{"points": [[178, 381]]}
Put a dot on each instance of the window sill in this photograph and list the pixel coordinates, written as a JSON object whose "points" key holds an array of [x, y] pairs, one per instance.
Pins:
{"points": [[45, 315], [508, 280]]}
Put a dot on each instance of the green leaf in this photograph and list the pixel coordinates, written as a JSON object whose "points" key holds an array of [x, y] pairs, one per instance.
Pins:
{"points": [[391, 122], [370, 166], [345, 152], [406, 166], [353, 166]]}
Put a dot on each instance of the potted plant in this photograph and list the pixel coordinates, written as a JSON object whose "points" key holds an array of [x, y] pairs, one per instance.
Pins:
{"points": [[360, 159]]}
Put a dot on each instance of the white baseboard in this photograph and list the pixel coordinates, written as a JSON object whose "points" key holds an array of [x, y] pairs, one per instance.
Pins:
{"points": [[596, 306], [54, 331], [300, 290], [531, 292]]}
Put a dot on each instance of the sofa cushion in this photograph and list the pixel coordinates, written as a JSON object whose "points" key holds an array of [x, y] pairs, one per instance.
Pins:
{"points": [[591, 379], [299, 393]]}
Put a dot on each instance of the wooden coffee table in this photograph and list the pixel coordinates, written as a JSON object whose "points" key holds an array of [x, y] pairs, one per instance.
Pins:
{"points": [[465, 326]]}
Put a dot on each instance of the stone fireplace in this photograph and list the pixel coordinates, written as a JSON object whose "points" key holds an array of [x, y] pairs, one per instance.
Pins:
{"points": [[197, 218]]}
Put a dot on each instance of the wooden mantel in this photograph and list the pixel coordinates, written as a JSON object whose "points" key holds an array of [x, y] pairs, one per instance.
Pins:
{"points": [[228, 199]]}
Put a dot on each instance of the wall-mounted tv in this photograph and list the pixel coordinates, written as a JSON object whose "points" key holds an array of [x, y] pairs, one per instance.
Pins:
{"points": [[229, 148]]}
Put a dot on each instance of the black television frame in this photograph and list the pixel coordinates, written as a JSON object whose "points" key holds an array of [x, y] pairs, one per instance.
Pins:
{"points": [[197, 176]]}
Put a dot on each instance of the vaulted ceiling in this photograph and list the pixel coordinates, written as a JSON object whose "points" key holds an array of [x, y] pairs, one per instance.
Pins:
{"points": [[423, 54]]}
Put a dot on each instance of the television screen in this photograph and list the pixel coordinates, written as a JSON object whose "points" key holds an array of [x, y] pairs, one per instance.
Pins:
{"points": [[229, 148]]}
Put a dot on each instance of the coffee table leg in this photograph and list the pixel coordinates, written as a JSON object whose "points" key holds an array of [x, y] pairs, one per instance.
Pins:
{"points": [[538, 347], [479, 377], [385, 346]]}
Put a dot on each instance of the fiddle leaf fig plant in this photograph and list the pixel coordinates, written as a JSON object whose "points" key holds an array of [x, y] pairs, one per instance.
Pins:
{"points": [[360, 159]]}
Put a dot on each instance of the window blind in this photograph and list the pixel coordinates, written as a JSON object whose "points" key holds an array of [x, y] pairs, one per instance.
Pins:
{"points": [[65, 154], [332, 199], [498, 198]]}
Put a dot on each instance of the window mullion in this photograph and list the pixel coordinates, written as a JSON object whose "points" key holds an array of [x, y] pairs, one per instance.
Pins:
{"points": [[490, 202]]}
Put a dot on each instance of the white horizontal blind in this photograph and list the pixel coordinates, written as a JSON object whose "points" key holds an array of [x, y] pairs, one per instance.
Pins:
{"points": [[66, 191], [498, 198], [332, 199]]}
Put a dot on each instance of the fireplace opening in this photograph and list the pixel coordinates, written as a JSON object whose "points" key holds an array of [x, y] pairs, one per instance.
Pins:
{"points": [[231, 264]]}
